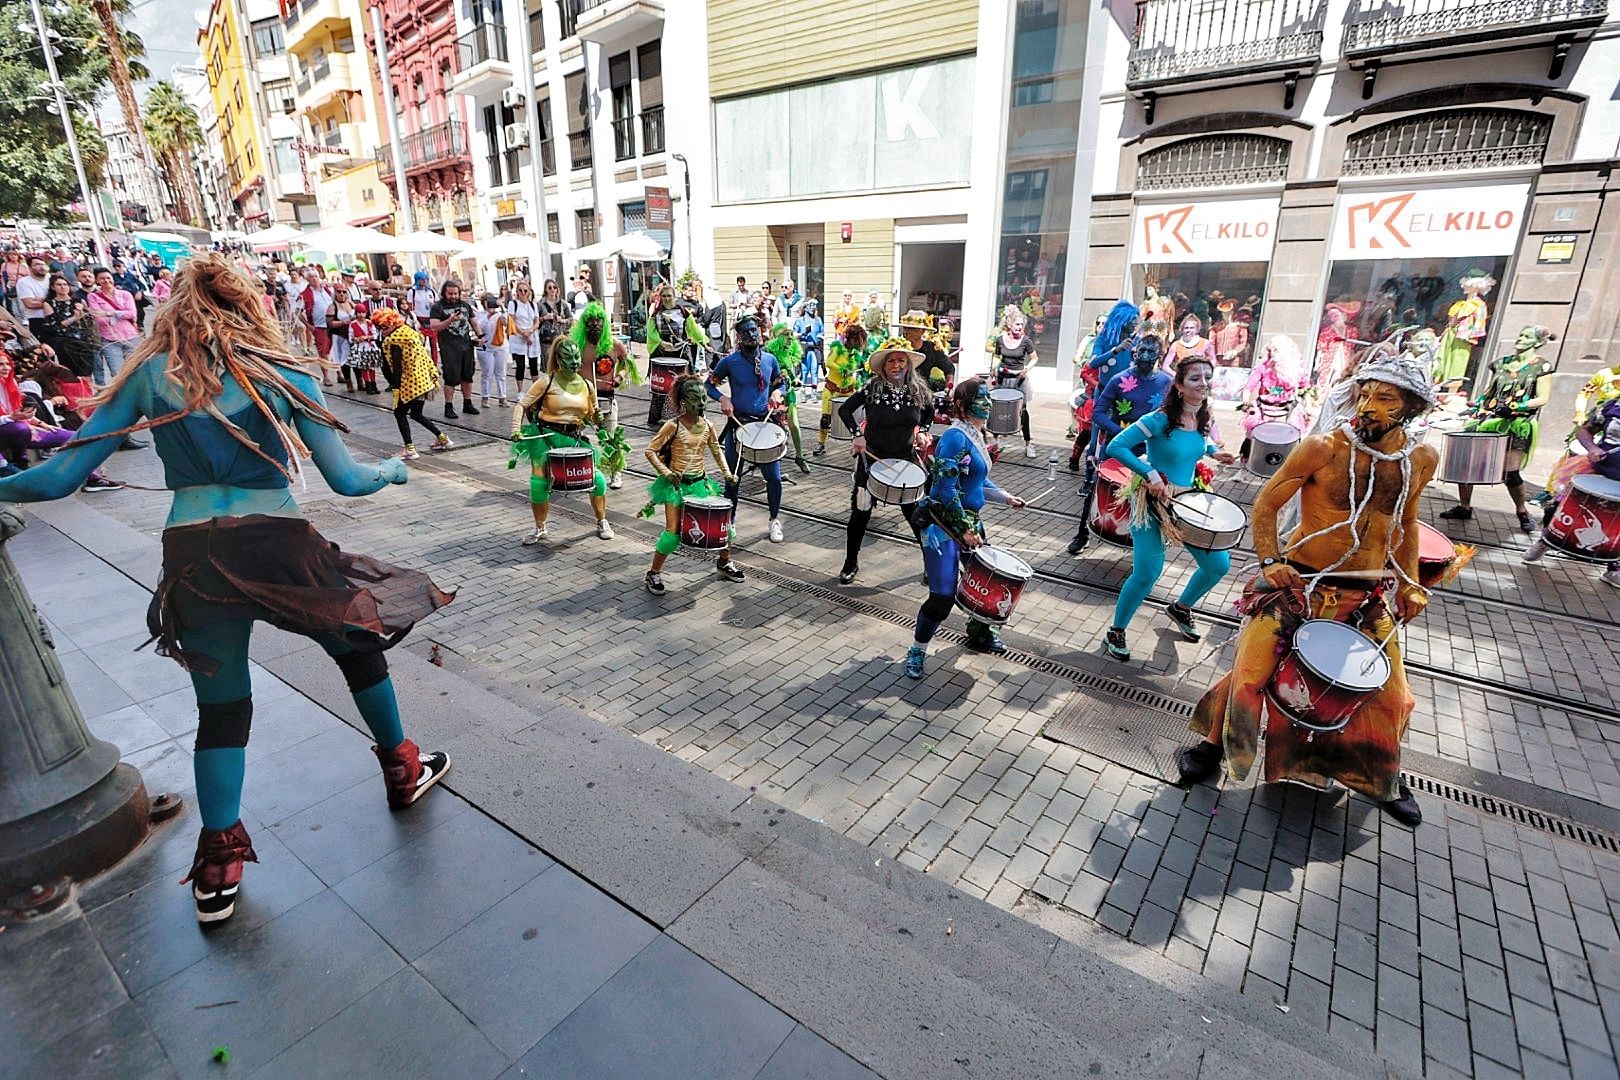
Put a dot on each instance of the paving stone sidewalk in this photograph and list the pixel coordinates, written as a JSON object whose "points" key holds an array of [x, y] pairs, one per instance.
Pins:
{"points": [[1473, 946]]}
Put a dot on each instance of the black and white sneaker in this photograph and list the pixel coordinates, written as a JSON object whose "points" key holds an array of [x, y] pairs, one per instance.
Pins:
{"points": [[655, 583], [101, 483], [729, 570], [216, 905]]}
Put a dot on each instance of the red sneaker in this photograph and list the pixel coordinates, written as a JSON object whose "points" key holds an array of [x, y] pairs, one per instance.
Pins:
{"points": [[408, 772], [216, 873]]}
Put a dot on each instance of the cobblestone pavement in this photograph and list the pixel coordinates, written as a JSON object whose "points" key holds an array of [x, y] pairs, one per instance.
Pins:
{"points": [[1478, 945]]}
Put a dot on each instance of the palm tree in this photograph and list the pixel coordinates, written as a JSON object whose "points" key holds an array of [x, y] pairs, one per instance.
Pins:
{"points": [[174, 131], [120, 44]]}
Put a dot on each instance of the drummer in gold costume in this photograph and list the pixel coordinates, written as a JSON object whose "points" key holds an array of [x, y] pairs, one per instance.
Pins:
{"points": [[1357, 541], [676, 452], [898, 406], [552, 415]]}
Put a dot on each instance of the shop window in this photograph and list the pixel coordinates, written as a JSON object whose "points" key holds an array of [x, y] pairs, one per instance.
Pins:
{"points": [[632, 217], [1448, 142], [1214, 161]]}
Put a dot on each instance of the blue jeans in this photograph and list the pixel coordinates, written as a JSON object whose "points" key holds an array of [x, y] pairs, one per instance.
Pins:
{"points": [[111, 359], [772, 472]]}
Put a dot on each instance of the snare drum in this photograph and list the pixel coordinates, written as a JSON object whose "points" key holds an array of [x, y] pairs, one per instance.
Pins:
{"points": [[706, 521], [1473, 457], [1209, 521], [896, 481], [839, 429], [1587, 521], [662, 371], [1111, 517], [1435, 555], [761, 442], [1005, 407], [1332, 668], [1269, 446], [571, 468], [991, 582]]}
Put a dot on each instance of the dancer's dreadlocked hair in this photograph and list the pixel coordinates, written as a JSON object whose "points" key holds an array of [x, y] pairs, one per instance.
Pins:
{"points": [[214, 324]]}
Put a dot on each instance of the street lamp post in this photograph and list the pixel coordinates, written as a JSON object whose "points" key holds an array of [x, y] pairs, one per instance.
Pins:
{"points": [[67, 127], [686, 178]]}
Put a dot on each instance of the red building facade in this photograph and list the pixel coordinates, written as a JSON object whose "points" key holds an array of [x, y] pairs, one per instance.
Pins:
{"points": [[422, 59]]}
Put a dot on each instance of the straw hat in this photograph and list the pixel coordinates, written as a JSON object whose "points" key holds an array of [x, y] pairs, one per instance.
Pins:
{"points": [[917, 320], [894, 345]]}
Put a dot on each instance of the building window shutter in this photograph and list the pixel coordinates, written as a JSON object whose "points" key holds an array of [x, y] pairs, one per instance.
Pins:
{"points": [[650, 62]]}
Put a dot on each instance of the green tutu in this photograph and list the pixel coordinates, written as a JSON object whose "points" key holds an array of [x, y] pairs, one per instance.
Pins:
{"points": [[537, 445], [1521, 430], [667, 492]]}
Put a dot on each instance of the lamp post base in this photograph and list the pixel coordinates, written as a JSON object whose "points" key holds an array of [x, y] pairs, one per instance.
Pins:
{"points": [[78, 837]]}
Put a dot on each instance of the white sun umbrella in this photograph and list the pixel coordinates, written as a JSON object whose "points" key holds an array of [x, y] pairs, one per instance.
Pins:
{"points": [[632, 247], [348, 240], [508, 245], [423, 242], [276, 236]]}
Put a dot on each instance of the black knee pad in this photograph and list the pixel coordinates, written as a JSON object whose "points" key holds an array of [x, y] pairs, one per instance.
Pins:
{"points": [[1514, 479], [826, 421], [938, 606], [223, 726], [362, 670]]}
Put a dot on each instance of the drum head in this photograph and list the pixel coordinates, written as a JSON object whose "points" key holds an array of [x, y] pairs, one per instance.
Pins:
{"points": [[1006, 395], [1433, 547], [1341, 654], [1116, 472], [761, 435], [1207, 510], [1003, 562], [708, 502], [898, 472], [1598, 486], [1275, 434], [570, 452]]}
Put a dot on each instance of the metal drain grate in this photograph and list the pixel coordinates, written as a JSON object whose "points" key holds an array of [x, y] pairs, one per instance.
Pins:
{"points": [[1515, 812]]}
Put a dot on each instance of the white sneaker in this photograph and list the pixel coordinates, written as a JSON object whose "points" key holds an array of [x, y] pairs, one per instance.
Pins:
{"points": [[1612, 577], [409, 454], [1534, 552], [776, 531], [535, 537], [604, 530], [617, 482], [1029, 450]]}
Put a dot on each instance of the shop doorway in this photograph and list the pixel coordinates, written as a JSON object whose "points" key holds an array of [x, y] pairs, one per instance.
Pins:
{"points": [[807, 263], [930, 277]]}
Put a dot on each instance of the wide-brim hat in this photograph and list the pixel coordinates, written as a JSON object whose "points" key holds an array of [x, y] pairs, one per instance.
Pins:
{"points": [[917, 320], [891, 347]]}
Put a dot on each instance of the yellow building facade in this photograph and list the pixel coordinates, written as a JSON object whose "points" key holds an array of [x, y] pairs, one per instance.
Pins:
{"points": [[225, 57]]}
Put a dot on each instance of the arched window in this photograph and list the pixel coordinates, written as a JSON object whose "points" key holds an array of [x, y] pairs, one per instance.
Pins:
{"points": [[1448, 142], [1214, 161]]}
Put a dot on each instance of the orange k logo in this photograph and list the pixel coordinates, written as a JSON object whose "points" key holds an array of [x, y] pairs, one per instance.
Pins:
{"points": [[1372, 224], [1159, 231]]}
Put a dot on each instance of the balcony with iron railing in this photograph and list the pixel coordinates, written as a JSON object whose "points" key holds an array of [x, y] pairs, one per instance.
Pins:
{"points": [[1199, 40], [624, 138], [652, 129], [483, 57], [437, 145], [579, 149], [616, 20], [1373, 27]]}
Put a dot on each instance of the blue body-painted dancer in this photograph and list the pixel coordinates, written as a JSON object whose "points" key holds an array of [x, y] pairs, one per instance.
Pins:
{"points": [[1110, 355], [231, 413]]}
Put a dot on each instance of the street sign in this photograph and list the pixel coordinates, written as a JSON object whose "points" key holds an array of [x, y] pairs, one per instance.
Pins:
{"points": [[659, 212]]}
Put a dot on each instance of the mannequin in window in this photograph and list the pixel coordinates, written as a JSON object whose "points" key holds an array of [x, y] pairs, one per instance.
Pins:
{"points": [[1157, 308], [1466, 323]]}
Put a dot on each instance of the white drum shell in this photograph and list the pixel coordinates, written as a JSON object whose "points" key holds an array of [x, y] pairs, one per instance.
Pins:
{"points": [[1269, 446], [761, 442], [896, 481], [1472, 457], [839, 429], [1208, 520]]}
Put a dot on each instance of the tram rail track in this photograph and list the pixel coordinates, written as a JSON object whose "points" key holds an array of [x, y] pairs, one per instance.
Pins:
{"points": [[1574, 706]]}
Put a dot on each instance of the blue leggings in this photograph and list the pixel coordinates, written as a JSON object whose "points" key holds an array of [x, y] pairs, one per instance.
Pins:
{"points": [[1147, 563], [220, 761]]}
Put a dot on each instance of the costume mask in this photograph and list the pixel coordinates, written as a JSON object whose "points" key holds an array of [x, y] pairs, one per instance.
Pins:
{"points": [[1148, 354], [748, 336], [593, 329], [693, 399], [1531, 337], [981, 404], [568, 358]]}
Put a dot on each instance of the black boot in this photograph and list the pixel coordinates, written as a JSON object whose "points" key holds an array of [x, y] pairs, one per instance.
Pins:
{"points": [[1198, 762], [1404, 809]]}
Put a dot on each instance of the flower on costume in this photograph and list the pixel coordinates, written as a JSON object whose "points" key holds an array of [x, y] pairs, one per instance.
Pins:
{"points": [[1203, 475], [1127, 383]]}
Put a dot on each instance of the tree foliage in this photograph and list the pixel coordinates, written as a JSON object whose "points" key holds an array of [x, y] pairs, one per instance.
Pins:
{"points": [[36, 170], [174, 132]]}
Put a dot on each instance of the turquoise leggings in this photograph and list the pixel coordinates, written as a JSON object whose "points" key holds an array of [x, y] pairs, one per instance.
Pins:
{"points": [[219, 771], [1147, 563]]}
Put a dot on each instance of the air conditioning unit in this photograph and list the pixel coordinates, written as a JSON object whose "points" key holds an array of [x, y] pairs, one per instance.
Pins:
{"points": [[517, 135], [512, 98]]}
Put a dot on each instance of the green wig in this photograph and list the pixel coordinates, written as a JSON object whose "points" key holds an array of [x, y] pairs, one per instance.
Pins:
{"points": [[604, 344], [785, 347]]}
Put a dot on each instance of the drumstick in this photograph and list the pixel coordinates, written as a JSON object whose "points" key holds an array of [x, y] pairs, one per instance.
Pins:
{"points": [[1042, 495]]}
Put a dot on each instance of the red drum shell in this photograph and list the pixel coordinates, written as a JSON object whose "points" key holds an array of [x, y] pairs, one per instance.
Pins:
{"points": [[662, 373], [1303, 687], [1111, 513], [1435, 553], [990, 584], [571, 468], [706, 522], [1587, 521]]}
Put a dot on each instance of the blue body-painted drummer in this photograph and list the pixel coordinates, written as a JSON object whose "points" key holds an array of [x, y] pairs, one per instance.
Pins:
{"points": [[958, 490], [755, 381]]}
